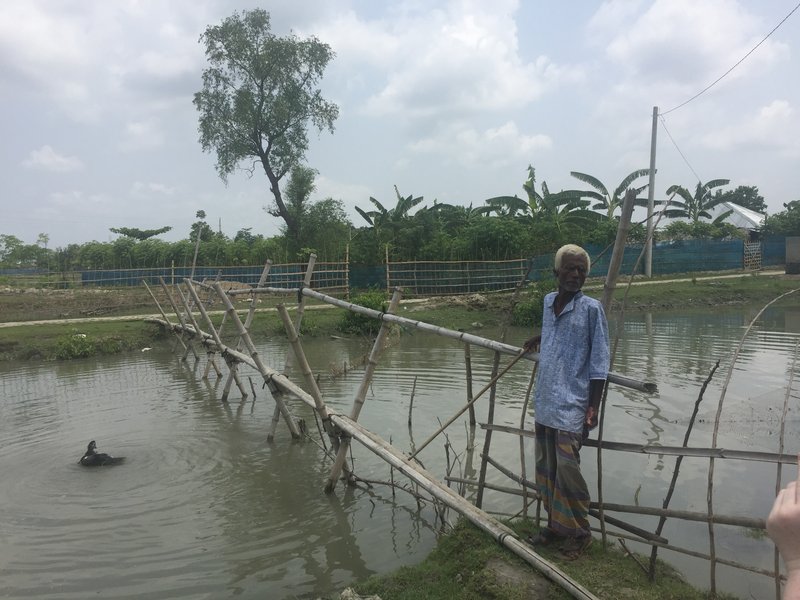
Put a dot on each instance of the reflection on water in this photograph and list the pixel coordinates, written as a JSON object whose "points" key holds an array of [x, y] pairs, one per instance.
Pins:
{"points": [[205, 508]]}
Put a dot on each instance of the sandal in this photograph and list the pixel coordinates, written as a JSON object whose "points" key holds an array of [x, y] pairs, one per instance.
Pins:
{"points": [[544, 537], [574, 547]]}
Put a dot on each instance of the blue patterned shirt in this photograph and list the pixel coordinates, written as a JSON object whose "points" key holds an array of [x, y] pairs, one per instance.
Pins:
{"points": [[574, 350]]}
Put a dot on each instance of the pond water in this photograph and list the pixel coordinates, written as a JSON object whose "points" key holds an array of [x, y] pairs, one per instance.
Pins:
{"points": [[204, 507]]}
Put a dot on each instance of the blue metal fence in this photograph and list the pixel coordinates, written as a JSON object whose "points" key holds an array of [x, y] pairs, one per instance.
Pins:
{"points": [[686, 256]]}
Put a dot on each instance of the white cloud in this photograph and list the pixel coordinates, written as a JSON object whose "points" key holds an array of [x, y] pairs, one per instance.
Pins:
{"points": [[492, 147], [79, 55], [142, 135], [141, 189], [47, 159], [463, 58], [689, 42], [774, 126]]}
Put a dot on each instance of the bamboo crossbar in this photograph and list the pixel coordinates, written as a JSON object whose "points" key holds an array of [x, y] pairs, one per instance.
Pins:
{"points": [[685, 515], [770, 457], [616, 522], [696, 554], [441, 492], [461, 336]]}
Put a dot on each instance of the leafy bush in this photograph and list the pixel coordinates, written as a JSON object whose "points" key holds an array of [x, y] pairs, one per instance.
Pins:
{"points": [[528, 311], [74, 345], [356, 323], [683, 230]]}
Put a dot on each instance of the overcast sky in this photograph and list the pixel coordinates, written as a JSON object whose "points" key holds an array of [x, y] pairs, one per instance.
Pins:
{"points": [[450, 100]]}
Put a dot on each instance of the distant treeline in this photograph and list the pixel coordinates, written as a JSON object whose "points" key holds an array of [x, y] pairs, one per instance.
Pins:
{"points": [[441, 232]]}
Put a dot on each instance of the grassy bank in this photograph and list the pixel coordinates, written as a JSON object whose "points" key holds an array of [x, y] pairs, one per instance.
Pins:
{"points": [[91, 330], [469, 565]]}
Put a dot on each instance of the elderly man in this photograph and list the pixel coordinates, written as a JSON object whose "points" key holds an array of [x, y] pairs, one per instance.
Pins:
{"points": [[573, 367]]}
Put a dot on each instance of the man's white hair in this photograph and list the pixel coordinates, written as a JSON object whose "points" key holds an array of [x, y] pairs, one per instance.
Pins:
{"points": [[572, 250]]}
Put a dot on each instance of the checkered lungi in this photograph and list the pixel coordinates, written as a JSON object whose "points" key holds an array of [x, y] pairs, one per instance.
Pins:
{"points": [[559, 481]]}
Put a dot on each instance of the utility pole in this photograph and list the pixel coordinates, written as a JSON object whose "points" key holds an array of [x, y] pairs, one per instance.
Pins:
{"points": [[648, 260]]}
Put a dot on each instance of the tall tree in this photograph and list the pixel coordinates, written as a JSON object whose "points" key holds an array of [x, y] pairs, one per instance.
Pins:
{"points": [[259, 96], [604, 200], [695, 206], [744, 195], [139, 234], [297, 199]]}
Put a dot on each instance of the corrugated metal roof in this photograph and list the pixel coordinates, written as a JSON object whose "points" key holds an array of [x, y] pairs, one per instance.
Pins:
{"points": [[740, 217]]}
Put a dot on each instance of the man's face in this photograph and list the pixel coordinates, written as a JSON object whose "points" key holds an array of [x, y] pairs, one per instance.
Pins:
{"points": [[572, 273]]}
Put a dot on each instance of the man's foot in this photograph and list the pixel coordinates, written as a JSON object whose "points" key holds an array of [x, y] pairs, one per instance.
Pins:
{"points": [[544, 537], [573, 548]]}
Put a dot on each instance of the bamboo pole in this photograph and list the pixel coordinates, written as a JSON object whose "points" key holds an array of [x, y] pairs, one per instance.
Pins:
{"points": [[662, 521], [468, 366], [347, 271], [780, 451], [608, 292], [388, 286], [441, 492], [163, 314], [487, 439], [311, 382], [461, 336], [710, 491], [287, 364], [522, 461], [372, 362], [654, 511], [770, 457], [245, 335], [181, 320], [411, 401], [233, 367], [208, 347], [619, 249], [464, 408], [525, 483], [185, 302]]}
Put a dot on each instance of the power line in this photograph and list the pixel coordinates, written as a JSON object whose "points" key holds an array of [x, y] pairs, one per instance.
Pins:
{"points": [[674, 143], [741, 60]]}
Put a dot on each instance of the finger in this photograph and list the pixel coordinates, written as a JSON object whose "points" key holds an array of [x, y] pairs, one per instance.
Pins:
{"points": [[796, 497]]}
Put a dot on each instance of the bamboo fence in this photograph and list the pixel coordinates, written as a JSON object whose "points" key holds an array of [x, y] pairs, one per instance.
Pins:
{"points": [[339, 430]]}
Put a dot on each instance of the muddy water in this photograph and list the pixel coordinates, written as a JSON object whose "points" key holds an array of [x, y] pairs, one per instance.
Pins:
{"points": [[205, 508]]}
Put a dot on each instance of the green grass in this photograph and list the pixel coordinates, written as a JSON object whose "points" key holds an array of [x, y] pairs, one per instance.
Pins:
{"points": [[457, 568], [458, 313]]}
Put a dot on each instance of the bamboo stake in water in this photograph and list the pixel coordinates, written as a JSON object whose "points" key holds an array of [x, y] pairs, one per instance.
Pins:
{"points": [[195, 326], [233, 365], [780, 451], [710, 491], [181, 320], [464, 408], [311, 382], [522, 461], [163, 314], [245, 335], [468, 366], [487, 439], [301, 302], [678, 461], [369, 371]]}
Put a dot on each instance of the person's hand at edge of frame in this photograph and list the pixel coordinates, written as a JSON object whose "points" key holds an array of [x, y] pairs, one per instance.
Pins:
{"points": [[783, 525]]}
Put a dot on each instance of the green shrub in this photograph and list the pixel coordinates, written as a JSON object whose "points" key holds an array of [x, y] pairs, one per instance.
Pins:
{"points": [[74, 345], [356, 323], [528, 311]]}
